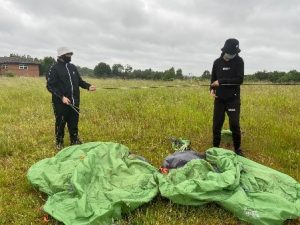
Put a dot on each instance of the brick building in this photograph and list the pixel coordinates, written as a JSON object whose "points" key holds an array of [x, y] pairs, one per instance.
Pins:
{"points": [[19, 66]]}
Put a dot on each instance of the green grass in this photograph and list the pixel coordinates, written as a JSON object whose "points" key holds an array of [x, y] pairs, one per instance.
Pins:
{"points": [[143, 120]]}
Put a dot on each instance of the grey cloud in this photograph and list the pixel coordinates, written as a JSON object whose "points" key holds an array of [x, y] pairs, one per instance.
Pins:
{"points": [[158, 34]]}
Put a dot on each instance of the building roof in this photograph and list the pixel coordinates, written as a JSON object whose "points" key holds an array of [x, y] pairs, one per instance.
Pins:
{"points": [[14, 59]]}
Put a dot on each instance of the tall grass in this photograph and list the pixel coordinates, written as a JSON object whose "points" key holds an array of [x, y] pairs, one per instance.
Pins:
{"points": [[143, 120]]}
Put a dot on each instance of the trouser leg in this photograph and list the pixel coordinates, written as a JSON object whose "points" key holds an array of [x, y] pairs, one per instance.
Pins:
{"points": [[72, 123], [60, 113], [233, 112], [218, 120]]}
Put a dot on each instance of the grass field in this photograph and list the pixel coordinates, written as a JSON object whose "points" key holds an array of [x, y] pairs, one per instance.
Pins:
{"points": [[143, 120]]}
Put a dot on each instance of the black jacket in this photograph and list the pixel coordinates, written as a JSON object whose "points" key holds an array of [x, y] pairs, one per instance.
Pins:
{"points": [[63, 79], [228, 72]]}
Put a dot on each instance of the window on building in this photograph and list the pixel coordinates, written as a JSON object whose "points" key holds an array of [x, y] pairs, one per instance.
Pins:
{"points": [[4, 66], [23, 67]]}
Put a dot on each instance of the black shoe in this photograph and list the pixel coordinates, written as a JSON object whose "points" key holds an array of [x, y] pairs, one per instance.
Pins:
{"points": [[76, 142], [239, 152], [59, 145]]}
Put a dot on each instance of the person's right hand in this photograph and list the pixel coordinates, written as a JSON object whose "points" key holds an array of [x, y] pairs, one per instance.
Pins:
{"points": [[65, 100], [213, 93], [92, 88]]}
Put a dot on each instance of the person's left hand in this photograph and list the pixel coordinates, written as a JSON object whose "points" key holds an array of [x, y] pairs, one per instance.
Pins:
{"points": [[213, 93], [92, 88], [215, 84]]}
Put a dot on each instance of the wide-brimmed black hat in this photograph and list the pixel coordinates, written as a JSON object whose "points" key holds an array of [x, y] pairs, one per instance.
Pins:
{"points": [[231, 46]]}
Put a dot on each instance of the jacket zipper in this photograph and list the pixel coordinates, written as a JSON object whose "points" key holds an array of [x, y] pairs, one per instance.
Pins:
{"points": [[70, 82]]}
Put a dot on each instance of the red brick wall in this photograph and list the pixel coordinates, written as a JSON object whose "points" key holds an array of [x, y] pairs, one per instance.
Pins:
{"points": [[32, 71]]}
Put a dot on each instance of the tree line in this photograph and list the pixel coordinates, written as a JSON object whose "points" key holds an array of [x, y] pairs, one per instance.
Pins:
{"points": [[127, 72], [104, 70]]}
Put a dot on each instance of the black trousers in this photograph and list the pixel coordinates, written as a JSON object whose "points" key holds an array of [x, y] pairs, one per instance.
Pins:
{"points": [[64, 114], [232, 109]]}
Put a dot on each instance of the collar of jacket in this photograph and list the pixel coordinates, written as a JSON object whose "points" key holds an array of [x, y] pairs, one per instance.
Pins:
{"points": [[223, 53], [59, 60]]}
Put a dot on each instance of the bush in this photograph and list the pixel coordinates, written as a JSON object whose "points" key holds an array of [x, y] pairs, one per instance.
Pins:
{"points": [[10, 74]]}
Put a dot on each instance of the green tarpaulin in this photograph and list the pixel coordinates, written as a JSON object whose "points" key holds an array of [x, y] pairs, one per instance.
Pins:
{"points": [[95, 182], [253, 192]]}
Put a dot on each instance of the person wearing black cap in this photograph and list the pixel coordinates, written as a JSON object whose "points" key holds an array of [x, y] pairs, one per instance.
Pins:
{"points": [[227, 76], [63, 81]]}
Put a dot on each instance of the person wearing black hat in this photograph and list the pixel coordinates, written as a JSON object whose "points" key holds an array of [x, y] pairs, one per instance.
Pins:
{"points": [[227, 76], [63, 81]]}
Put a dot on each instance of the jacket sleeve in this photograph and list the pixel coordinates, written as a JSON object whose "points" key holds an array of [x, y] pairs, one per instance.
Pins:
{"points": [[82, 83], [239, 76], [213, 75], [52, 82]]}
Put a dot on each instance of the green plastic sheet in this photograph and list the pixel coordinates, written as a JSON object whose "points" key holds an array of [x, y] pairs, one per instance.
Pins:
{"points": [[253, 192], [93, 183]]}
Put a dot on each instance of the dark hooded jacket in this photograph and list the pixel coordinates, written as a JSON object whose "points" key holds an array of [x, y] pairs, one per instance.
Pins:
{"points": [[63, 79], [230, 75]]}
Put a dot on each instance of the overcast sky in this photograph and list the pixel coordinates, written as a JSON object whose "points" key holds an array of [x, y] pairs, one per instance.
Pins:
{"points": [[157, 34]]}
